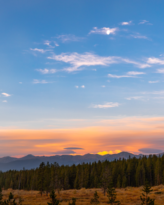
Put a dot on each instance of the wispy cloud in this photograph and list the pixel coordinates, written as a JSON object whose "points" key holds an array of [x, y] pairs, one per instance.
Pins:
{"points": [[64, 152], [76, 86], [77, 60], [48, 43], [125, 23], [106, 105], [156, 81], [46, 71], [6, 94], [160, 92], [139, 36], [145, 22], [69, 37], [130, 74], [35, 81], [150, 150], [153, 60], [134, 98], [72, 148], [83, 86], [161, 70], [40, 50], [134, 73], [137, 64], [103, 31], [4, 101]]}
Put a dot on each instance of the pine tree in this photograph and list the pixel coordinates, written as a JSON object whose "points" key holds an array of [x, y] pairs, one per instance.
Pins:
{"points": [[47, 176], [124, 182], [73, 202], [95, 199], [145, 198], [106, 179], [1, 196], [54, 201], [41, 177], [11, 196], [119, 181], [111, 194], [10, 200]]}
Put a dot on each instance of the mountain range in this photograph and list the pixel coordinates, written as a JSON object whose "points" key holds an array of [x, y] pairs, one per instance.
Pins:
{"points": [[32, 162]]}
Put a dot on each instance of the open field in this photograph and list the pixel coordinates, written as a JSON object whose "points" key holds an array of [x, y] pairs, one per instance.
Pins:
{"points": [[127, 196]]}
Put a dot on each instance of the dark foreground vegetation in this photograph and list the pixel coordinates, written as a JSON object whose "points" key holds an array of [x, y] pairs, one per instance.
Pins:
{"points": [[121, 173]]}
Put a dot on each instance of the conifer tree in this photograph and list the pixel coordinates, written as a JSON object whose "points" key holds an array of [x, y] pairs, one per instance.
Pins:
{"points": [[111, 194], [41, 177], [124, 182], [1, 196], [106, 179], [47, 176], [119, 181], [73, 202], [54, 201], [10, 200], [95, 199], [145, 198]]}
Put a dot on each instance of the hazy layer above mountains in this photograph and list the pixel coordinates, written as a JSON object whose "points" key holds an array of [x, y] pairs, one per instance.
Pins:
{"points": [[32, 162]]}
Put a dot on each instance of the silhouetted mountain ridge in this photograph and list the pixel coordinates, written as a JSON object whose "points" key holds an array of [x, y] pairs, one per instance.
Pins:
{"points": [[32, 162]]}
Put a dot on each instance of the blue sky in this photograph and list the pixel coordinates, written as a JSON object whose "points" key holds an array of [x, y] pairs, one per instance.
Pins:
{"points": [[66, 61]]}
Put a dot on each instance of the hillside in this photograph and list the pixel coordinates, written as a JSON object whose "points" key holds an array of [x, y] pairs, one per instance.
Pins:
{"points": [[30, 161]]}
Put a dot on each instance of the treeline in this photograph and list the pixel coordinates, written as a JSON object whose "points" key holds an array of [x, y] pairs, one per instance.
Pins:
{"points": [[131, 172]]}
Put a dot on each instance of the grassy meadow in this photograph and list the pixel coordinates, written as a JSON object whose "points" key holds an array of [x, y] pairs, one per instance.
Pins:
{"points": [[127, 196]]}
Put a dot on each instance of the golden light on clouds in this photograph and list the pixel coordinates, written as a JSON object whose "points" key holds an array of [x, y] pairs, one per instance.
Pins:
{"points": [[109, 152], [113, 136]]}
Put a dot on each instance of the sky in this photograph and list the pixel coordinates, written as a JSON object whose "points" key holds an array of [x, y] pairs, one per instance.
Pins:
{"points": [[80, 77]]}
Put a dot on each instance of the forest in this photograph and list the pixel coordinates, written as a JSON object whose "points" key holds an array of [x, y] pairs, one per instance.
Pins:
{"points": [[121, 173]]}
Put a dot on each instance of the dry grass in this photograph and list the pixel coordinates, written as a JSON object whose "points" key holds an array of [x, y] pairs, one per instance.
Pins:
{"points": [[127, 196]]}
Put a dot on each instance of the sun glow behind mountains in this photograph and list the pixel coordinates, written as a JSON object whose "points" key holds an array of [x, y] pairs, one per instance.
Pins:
{"points": [[135, 135], [109, 152]]}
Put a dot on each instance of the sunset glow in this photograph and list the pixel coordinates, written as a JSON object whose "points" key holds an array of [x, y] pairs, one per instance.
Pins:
{"points": [[79, 77], [113, 136]]}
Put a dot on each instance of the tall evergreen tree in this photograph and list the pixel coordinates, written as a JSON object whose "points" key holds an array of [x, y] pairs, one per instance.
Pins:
{"points": [[54, 201], [41, 178], [73, 202], [95, 199], [145, 198], [106, 179], [111, 194], [47, 180], [1, 196]]}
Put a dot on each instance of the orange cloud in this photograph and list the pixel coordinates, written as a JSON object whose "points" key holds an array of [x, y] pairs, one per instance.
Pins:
{"points": [[127, 134]]}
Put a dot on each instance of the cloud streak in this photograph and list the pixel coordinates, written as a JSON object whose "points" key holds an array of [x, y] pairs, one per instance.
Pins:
{"points": [[46, 71], [78, 61], [130, 74], [35, 81], [39, 50], [153, 60], [69, 37], [145, 22], [106, 105], [150, 150], [48, 43], [139, 36], [6, 94], [73, 148], [126, 23], [103, 31], [156, 81], [134, 98], [161, 70]]}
